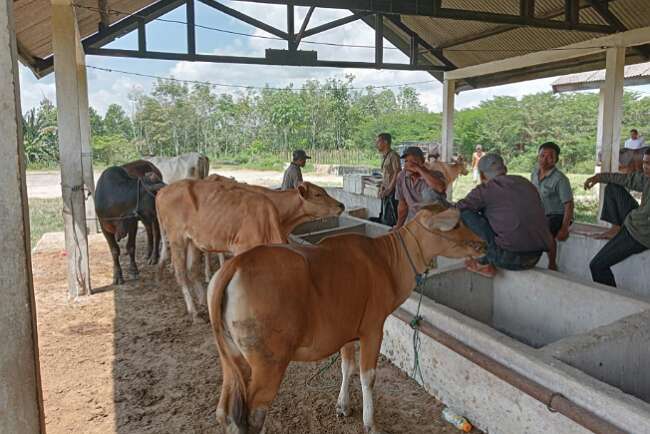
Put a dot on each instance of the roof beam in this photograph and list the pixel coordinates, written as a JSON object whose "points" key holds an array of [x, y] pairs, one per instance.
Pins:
{"points": [[245, 18], [602, 7], [333, 24], [630, 38], [303, 27], [434, 9]]}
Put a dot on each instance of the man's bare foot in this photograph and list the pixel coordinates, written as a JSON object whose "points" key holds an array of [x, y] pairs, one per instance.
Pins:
{"points": [[484, 270], [609, 234]]}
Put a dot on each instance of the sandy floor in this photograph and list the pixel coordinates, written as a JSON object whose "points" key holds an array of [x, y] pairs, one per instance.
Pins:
{"points": [[127, 360], [47, 184]]}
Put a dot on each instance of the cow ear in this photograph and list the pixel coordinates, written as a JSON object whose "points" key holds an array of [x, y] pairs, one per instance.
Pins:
{"points": [[444, 221], [302, 189]]}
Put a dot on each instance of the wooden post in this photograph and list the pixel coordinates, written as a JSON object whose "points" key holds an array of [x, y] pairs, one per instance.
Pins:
{"points": [[70, 103], [612, 112], [21, 406], [448, 99]]}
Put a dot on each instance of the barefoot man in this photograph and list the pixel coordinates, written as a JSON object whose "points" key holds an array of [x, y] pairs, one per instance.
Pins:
{"points": [[633, 222], [506, 211]]}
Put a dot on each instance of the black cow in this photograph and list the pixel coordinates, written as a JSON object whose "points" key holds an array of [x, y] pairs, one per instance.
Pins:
{"points": [[121, 201]]}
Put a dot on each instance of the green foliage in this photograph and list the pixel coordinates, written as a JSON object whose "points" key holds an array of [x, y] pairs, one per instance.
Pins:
{"points": [[257, 128]]}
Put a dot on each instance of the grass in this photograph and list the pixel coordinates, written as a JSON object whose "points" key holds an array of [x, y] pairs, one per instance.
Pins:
{"points": [[44, 216]]}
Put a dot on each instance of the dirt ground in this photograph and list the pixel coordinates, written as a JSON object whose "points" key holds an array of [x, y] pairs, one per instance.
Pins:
{"points": [[47, 184], [128, 360]]}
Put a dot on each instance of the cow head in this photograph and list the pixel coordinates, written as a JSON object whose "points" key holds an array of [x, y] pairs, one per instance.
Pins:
{"points": [[460, 160], [152, 182], [441, 233], [317, 203]]}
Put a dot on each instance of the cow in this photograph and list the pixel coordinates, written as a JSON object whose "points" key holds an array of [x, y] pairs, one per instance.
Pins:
{"points": [[280, 303], [120, 202], [451, 171], [221, 215], [191, 165]]}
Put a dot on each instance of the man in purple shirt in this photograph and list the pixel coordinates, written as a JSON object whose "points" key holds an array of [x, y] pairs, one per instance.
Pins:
{"points": [[416, 186], [507, 212]]}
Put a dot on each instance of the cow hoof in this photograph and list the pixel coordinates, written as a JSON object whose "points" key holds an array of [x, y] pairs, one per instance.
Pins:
{"points": [[372, 430], [343, 410], [152, 261]]}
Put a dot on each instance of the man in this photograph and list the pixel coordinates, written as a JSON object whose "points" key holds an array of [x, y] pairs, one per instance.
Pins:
{"points": [[554, 189], [635, 141], [617, 201], [476, 157], [506, 211], [416, 186], [390, 168], [293, 175], [634, 235]]}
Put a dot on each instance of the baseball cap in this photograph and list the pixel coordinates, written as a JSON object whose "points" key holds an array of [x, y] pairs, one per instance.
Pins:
{"points": [[415, 151], [299, 154]]}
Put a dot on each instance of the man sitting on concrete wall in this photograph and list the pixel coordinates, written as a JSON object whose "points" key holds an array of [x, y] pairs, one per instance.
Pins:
{"points": [[506, 211], [555, 191], [634, 235], [416, 186], [617, 201]]}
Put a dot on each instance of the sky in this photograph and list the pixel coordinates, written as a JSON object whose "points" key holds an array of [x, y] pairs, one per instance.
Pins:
{"points": [[106, 88]]}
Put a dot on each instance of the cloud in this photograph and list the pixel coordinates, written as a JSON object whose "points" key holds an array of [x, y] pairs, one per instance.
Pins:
{"points": [[107, 88]]}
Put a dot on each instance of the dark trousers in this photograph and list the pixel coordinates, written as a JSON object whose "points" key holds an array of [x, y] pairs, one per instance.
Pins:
{"points": [[617, 204], [621, 247], [555, 223], [497, 256], [388, 213]]}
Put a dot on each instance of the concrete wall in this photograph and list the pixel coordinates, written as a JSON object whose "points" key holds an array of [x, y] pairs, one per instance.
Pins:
{"points": [[356, 200], [20, 395], [491, 404], [617, 354], [538, 306], [574, 256]]}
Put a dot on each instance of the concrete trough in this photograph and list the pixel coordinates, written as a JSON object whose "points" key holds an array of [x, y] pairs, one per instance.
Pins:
{"points": [[586, 342]]}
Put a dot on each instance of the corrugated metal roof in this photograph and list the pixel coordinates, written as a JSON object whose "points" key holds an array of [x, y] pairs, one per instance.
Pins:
{"points": [[464, 43], [634, 75]]}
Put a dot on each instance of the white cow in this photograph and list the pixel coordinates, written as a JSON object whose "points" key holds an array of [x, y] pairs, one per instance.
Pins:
{"points": [[190, 165]]}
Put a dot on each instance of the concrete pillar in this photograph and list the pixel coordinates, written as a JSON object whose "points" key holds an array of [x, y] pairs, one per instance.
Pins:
{"points": [[86, 147], [611, 102], [70, 104], [21, 407], [448, 106]]}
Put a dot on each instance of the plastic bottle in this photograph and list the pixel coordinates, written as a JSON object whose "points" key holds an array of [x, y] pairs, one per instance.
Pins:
{"points": [[456, 420]]}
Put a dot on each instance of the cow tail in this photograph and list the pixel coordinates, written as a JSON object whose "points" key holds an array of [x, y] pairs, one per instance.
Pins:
{"points": [[164, 251], [236, 404], [205, 167]]}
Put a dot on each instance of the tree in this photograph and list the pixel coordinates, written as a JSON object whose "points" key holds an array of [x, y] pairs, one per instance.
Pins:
{"points": [[116, 123]]}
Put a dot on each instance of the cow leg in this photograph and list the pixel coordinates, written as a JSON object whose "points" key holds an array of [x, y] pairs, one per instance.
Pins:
{"points": [[207, 269], [347, 367], [370, 346], [148, 228], [265, 381], [118, 279], [130, 247], [164, 255], [179, 258], [155, 250], [193, 257]]}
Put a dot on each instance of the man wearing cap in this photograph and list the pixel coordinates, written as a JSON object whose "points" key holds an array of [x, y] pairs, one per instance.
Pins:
{"points": [[506, 211], [416, 186], [293, 174], [554, 189]]}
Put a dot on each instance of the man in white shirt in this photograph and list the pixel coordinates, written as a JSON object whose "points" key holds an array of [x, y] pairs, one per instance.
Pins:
{"points": [[635, 141]]}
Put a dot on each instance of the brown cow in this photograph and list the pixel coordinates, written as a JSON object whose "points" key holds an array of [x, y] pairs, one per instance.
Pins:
{"points": [[451, 171], [275, 304], [221, 215]]}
